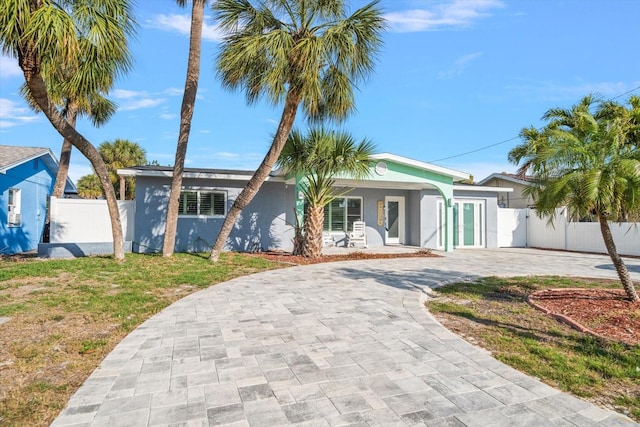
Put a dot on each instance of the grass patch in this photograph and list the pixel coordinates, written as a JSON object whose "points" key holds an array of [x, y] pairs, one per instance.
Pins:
{"points": [[67, 315], [493, 313]]}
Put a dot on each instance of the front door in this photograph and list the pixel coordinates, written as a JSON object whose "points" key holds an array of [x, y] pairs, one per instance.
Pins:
{"points": [[394, 220]]}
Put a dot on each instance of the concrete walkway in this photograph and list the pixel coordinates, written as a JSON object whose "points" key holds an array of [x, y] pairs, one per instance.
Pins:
{"points": [[340, 344]]}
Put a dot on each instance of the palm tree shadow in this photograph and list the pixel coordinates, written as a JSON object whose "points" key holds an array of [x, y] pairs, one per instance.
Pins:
{"points": [[416, 280], [633, 268]]}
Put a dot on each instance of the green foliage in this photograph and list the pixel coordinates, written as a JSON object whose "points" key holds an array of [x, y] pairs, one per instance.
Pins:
{"points": [[320, 156], [89, 187], [311, 48], [586, 158], [119, 154]]}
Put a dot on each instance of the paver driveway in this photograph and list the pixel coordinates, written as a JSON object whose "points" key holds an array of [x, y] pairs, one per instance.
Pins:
{"points": [[329, 345]]}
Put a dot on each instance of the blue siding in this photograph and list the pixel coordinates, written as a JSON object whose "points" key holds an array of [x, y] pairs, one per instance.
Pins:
{"points": [[264, 224], [36, 183]]}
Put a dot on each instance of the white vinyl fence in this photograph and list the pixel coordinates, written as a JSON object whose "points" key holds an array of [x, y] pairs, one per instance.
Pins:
{"points": [[563, 234], [87, 221]]}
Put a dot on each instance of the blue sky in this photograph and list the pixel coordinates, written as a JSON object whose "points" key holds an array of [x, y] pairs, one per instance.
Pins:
{"points": [[454, 76]]}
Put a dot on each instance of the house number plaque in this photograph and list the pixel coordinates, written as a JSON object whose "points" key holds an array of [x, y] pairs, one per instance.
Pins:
{"points": [[380, 213]]}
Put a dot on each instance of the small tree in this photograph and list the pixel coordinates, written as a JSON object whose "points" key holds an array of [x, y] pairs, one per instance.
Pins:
{"points": [[119, 154], [587, 158], [319, 157], [300, 52], [89, 187]]}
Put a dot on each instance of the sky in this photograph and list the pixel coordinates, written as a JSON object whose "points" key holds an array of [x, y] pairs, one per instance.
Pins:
{"points": [[454, 83]]}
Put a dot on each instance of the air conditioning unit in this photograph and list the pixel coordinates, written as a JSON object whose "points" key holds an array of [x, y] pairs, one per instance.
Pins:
{"points": [[14, 217]]}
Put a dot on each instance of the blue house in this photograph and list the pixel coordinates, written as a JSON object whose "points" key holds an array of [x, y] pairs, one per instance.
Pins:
{"points": [[27, 177]]}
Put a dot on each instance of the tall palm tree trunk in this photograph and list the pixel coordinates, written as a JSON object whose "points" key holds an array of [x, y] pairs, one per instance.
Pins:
{"points": [[260, 175], [313, 225], [621, 268], [186, 114], [298, 237], [123, 188], [30, 66], [65, 156]]}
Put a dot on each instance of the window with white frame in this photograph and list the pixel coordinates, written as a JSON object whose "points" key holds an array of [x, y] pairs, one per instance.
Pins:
{"points": [[341, 213], [14, 218], [201, 202]]}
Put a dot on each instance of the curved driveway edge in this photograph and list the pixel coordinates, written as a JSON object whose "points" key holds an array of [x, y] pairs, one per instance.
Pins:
{"points": [[337, 344]]}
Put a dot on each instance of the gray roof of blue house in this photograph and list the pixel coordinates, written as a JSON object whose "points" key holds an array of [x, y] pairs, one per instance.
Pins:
{"points": [[12, 156]]}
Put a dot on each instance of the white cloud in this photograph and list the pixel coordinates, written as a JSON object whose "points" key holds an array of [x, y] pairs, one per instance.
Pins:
{"points": [[173, 91], [226, 155], [444, 14], [460, 65], [9, 67], [135, 100], [140, 103], [182, 25], [11, 114], [167, 116], [126, 94], [571, 91], [78, 170]]}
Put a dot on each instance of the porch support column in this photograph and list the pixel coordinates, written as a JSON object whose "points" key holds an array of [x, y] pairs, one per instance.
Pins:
{"points": [[447, 195]]}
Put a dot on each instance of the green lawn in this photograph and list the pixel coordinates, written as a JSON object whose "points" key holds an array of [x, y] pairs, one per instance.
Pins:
{"points": [[66, 315], [493, 313]]}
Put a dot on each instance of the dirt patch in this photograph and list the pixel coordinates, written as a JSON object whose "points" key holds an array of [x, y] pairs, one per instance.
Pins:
{"points": [[606, 313], [288, 258]]}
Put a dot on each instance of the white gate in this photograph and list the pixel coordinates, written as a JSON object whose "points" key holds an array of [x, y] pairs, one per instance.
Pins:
{"points": [[512, 228]]}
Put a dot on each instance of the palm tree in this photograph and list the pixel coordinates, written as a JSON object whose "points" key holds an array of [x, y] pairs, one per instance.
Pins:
{"points": [[319, 157], [41, 32], [75, 101], [122, 154], [186, 113], [89, 187], [300, 52], [587, 164]]}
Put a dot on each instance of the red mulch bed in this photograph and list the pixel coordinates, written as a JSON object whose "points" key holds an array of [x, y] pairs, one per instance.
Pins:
{"points": [[606, 313]]}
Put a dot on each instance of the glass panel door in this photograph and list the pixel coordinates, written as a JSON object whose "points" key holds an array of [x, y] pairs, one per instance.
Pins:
{"points": [[394, 221], [468, 226], [392, 215], [468, 223]]}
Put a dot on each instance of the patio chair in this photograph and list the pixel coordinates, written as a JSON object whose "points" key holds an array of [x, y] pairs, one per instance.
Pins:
{"points": [[328, 240], [358, 235]]}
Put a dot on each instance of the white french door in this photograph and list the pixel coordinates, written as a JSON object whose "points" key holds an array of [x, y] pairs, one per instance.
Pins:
{"points": [[468, 224], [394, 220]]}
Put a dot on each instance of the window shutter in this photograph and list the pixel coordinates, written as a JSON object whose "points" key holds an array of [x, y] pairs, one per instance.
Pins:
{"points": [[219, 204], [337, 215], [206, 204]]}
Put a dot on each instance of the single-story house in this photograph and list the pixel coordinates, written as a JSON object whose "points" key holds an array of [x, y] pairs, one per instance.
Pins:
{"points": [[516, 199], [27, 177], [403, 201]]}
